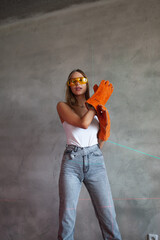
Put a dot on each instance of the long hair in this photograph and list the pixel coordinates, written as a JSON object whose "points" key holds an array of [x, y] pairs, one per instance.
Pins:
{"points": [[70, 97]]}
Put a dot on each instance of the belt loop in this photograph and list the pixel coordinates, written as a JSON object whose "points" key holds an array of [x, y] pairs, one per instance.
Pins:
{"points": [[75, 149]]}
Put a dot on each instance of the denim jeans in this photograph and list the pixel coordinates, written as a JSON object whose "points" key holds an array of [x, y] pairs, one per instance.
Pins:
{"points": [[85, 165]]}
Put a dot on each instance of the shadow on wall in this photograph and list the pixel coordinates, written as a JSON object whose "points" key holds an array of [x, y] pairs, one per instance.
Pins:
{"points": [[10, 10]]}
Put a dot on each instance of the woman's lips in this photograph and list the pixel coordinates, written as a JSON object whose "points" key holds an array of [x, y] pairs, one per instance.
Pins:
{"points": [[78, 88]]}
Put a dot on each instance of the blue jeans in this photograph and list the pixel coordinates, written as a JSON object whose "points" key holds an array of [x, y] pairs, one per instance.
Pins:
{"points": [[85, 165]]}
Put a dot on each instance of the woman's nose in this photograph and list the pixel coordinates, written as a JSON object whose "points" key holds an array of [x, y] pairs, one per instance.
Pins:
{"points": [[77, 83]]}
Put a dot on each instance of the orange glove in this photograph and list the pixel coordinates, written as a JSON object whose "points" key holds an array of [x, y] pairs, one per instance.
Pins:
{"points": [[104, 121], [101, 96]]}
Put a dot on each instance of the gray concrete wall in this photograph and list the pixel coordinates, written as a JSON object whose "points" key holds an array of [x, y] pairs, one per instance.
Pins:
{"points": [[118, 40], [19, 9]]}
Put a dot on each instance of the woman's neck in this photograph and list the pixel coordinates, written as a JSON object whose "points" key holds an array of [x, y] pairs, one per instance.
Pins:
{"points": [[81, 101]]}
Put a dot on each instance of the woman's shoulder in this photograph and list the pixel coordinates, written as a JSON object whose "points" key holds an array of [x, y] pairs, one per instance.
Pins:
{"points": [[60, 109], [64, 111], [62, 105]]}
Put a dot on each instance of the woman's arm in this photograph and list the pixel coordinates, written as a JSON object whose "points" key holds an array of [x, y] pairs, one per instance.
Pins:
{"points": [[100, 143], [67, 114]]}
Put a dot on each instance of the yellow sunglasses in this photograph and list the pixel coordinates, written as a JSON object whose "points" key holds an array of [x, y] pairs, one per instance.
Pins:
{"points": [[80, 80]]}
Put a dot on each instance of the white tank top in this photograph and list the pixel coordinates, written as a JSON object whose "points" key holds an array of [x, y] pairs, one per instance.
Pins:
{"points": [[82, 137]]}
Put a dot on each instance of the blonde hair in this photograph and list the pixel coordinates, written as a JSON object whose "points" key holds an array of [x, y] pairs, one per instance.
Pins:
{"points": [[70, 97]]}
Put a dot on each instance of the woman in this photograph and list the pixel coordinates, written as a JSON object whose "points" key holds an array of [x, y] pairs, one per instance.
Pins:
{"points": [[83, 162]]}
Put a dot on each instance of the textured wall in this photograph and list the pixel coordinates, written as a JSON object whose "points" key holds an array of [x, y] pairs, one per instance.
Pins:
{"points": [[117, 40], [18, 9]]}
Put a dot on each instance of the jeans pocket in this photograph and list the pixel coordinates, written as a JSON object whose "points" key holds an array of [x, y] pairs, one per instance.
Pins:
{"points": [[97, 153]]}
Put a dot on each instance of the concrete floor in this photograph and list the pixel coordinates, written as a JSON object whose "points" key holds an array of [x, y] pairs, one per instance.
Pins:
{"points": [[117, 40]]}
